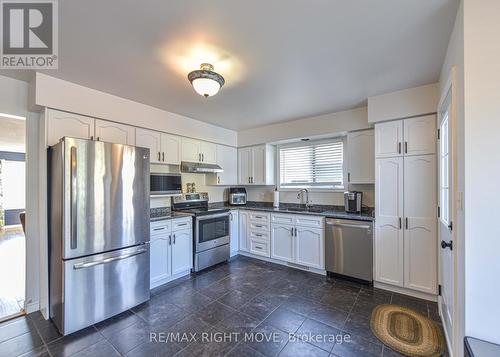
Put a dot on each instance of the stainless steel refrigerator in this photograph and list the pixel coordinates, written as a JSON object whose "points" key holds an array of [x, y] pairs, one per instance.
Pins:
{"points": [[98, 231]]}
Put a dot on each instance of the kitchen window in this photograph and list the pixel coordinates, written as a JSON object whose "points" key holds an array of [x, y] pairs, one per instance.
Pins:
{"points": [[312, 165]]}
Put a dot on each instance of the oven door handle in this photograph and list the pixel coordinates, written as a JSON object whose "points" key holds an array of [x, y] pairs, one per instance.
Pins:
{"points": [[212, 216]]}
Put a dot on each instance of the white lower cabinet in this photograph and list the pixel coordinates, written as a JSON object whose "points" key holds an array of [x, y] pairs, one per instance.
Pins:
{"points": [[234, 228], [310, 243], [282, 242], [243, 220], [171, 250], [299, 244]]}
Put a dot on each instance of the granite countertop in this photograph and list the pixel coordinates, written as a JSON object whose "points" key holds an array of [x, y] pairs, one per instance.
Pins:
{"points": [[163, 213], [315, 210]]}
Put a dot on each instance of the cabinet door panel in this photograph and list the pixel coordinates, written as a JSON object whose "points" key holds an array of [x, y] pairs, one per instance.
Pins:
{"points": [[259, 247], [310, 247], [234, 232], [282, 242], [182, 251], [227, 158], [420, 237], [114, 133], [159, 259], [149, 139], [388, 139], [388, 222], [190, 150], [243, 231], [208, 152], [361, 157], [244, 163], [258, 171], [171, 149], [61, 124], [420, 135]]}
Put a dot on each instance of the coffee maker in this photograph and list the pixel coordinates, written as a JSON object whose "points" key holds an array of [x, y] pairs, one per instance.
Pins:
{"points": [[353, 201]]}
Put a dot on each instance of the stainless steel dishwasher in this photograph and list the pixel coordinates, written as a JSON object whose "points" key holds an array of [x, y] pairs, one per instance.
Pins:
{"points": [[349, 248]]}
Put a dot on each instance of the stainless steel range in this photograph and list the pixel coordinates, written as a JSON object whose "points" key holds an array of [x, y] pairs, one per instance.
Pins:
{"points": [[211, 231]]}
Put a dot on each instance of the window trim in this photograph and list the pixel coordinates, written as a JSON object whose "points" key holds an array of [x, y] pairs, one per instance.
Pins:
{"points": [[342, 139]]}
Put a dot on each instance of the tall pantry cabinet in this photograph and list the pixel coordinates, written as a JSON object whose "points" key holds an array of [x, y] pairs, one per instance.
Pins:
{"points": [[406, 204]]}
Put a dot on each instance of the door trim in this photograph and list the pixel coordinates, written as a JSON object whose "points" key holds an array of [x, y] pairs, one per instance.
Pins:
{"points": [[455, 342]]}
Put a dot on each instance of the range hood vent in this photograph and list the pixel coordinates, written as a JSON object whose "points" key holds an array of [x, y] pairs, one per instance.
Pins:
{"points": [[200, 168]]}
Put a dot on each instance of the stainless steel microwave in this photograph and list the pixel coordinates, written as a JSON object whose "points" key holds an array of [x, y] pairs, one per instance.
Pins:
{"points": [[165, 184]]}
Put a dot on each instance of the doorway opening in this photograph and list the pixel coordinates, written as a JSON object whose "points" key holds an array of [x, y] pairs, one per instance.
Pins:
{"points": [[12, 216]]}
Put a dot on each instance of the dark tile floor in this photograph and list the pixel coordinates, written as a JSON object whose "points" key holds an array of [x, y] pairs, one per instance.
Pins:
{"points": [[244, 308]]}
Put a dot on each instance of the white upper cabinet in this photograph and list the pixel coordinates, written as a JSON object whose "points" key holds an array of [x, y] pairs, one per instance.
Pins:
{"points": [[244, 165], [420, 233], [389, 262], [282, 242], [170, 149], [114, 133], [208, 152], [61, 124], [256, 165], [227, 158], [420, 135], [389, 139], [198, 151], [190, 150], [310, 247], [149, 139], [361, 157]]}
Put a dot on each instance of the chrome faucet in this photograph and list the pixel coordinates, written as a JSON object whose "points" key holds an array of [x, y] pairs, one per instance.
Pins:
{"points": [[301, 192]]}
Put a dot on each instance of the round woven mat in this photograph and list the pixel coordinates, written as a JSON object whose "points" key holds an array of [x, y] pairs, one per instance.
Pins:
{"points": [[407, 331]]}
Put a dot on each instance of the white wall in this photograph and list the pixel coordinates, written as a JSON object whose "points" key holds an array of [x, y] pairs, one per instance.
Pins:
{"points": [[59, 94], [327, 124], [455, 58], [482, 167], [266, 194], [404, 103]]}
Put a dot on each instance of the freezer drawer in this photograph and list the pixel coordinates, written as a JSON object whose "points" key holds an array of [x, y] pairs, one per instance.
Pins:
{"points": [[100, 286], [349, 248]]}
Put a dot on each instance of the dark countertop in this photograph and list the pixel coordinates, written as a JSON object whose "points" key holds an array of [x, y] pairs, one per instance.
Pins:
{"points": [[171, 215], [315, 210]]}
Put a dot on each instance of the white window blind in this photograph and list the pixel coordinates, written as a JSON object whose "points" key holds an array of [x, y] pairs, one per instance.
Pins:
{"points": [[312, 165]]}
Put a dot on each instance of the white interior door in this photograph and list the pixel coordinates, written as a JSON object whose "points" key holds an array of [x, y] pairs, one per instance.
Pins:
{"points": [[446, 258]]}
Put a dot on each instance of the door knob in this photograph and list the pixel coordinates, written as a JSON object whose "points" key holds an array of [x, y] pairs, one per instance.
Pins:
{"points": [[445, 245]]}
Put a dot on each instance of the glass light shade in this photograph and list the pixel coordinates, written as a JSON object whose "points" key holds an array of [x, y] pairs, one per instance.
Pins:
{"points": [[205, 86]]}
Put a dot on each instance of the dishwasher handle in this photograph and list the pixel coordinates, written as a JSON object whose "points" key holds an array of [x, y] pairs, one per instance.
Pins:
{"points": [[347, 225]]}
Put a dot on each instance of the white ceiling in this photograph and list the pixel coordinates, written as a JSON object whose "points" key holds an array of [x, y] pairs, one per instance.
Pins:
{"points": [[282, 59]]}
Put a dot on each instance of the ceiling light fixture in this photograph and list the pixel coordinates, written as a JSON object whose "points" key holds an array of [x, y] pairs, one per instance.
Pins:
{"points": [[205, 81]]}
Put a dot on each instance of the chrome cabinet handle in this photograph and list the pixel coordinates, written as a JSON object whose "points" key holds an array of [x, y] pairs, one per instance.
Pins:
{"points": [[258, 247], [158, 229], [399, 148], [181, 224], [174, 238], [406, 222], [170, 240], [159, 156], [163, 156], [400, 225], [73, 198], [108, 260], [406, 147], [202, 157]]}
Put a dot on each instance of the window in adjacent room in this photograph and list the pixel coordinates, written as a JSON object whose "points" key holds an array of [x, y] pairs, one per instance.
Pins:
{"points": [[312, 165]]}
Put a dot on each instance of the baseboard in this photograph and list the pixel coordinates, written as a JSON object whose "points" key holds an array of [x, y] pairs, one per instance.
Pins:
{"points": [[404, 291], [169, 279], [290, 265]]}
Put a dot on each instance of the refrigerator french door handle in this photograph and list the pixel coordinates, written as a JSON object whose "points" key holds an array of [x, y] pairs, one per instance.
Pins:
{"points": [[73, 200], [108, 260]]}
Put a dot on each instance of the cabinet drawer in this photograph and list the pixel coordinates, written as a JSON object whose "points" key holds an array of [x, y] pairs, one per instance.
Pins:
{"points": [[257, 226], [259, 235], [259, 217], [283, 218], [161, 227], [181, 224], [259, 247], [310, 221]]}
